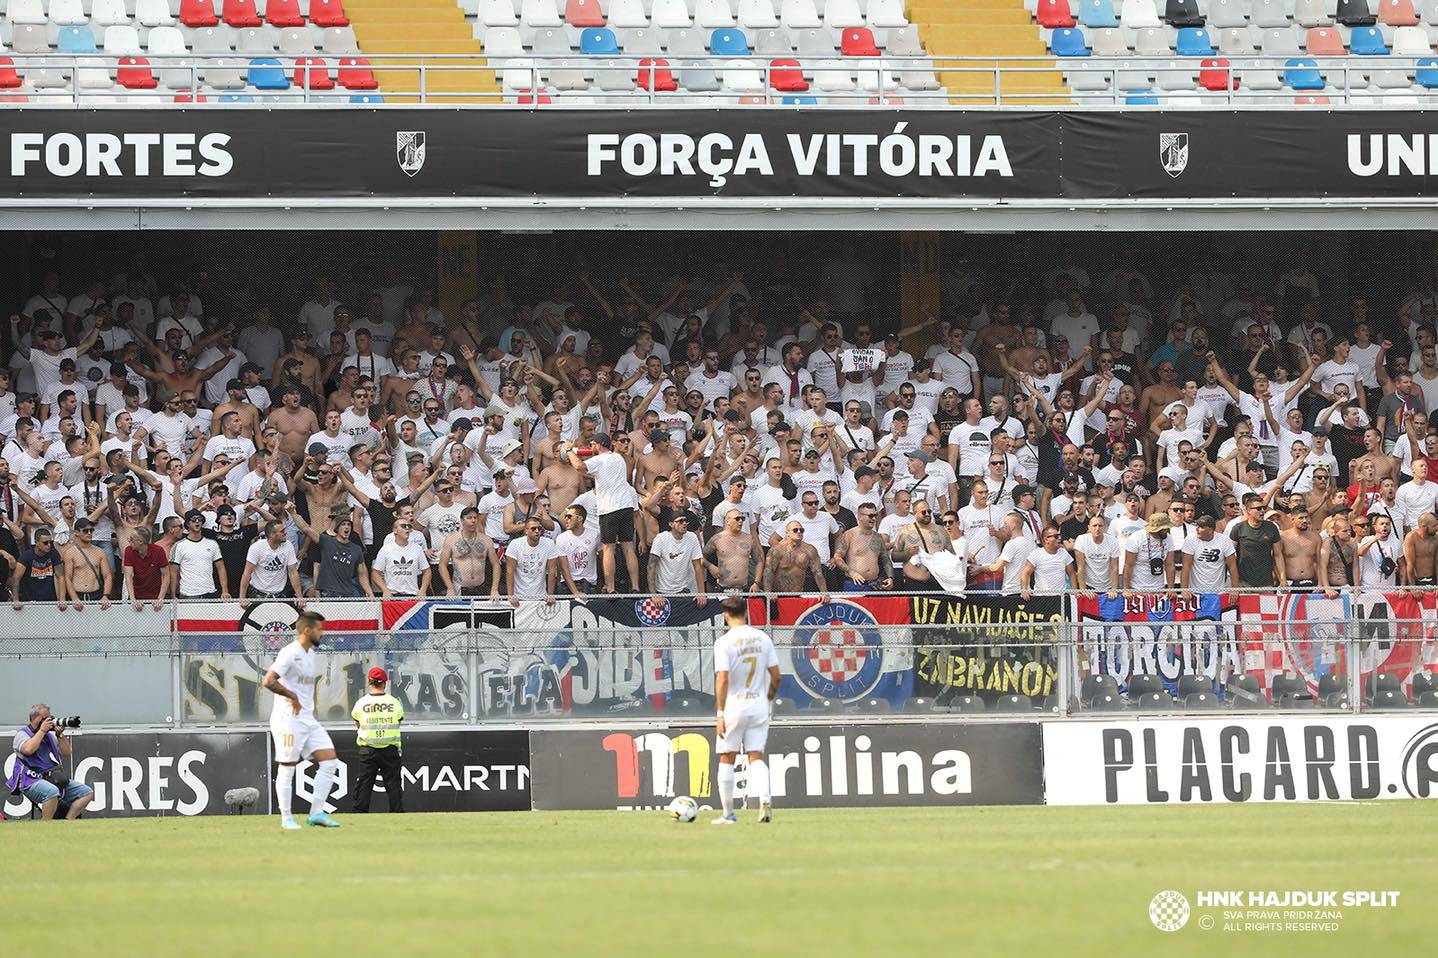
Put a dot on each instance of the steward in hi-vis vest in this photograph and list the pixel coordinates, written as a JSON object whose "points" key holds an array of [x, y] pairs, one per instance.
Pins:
{"points": [[377, 717]]}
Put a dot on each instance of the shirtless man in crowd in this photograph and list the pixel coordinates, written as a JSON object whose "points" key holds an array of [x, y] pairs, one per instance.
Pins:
{"points": [[296, 424], [864, 558], [921, 536], [466, 558], [562, 482], [1420, 548], [1384, 465], [733, 556], [88, 575], [1300, 544], [791, 563]]}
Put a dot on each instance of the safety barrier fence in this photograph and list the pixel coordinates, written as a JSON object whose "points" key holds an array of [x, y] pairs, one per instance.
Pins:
{"points": [[537, 81], [940, 656]]}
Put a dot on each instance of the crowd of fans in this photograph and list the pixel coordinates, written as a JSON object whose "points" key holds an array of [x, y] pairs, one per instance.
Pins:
{"points": [[752, 431]]}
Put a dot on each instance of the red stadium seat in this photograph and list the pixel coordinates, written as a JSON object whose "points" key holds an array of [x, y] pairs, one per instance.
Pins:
{"points": [[1310, 101], [785, 75], [314, 73], [664, 81], [355, 74], [1325, 42], [134, 73], [1055, 13], [858, 42], [198, 13], [328, 13], [1215, 75], [9, 79], [1397, 13], [283, 13], [886, 101], [526, 98], [186, 96], [583, 13], [241, 13]]}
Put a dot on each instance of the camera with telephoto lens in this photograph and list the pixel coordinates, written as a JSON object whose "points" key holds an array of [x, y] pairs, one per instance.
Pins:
{"points": [[69, 721]]}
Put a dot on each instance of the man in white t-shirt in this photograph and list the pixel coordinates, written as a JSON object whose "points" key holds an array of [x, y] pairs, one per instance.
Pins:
{"points": [[199, 563], [272, 570], [401, 566], [676, 560], [578, 550], [746, 679], [528, 564], [1209, 561], [616, 499], [1415, 497]]}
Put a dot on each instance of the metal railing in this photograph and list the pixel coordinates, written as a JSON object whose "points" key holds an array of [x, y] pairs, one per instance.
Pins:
{"points": [[186, 667], [536, 81]]}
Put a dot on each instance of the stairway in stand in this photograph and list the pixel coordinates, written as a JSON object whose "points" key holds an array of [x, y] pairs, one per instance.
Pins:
{"points": [[993, 30], [414, 27]]}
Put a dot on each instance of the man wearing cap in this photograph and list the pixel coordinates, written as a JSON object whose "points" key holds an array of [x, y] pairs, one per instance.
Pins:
{"points": [[46, 360], [1148, 564], [197, 562], [615, 500], [377, 717], [88, 574]]}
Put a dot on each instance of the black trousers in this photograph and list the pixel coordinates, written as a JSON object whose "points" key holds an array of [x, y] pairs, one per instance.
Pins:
{"points": [[384, 763]]}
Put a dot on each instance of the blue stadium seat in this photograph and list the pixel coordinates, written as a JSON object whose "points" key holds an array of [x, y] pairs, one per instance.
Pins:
{"points": [[76, 40], [236, 98], [267, 74], [728, 43], [1427, 75], [1194, 42], [598, 41], [814, 101], [1140, 98], [366, 98], [1068, 42], [1096, 14], [1367, 42], [1301, 73]]}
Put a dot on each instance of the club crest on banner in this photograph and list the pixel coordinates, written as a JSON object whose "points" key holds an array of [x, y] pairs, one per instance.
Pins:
{"points": [[652, 611], [409, 151], [838, 651], [1173, 152]]}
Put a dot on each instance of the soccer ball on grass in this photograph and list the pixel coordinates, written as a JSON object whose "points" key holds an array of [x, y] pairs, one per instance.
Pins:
{"points": [[684, 809]]}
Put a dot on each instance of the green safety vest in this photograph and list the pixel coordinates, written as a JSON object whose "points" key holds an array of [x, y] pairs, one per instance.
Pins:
{"points": [[378, 717]]}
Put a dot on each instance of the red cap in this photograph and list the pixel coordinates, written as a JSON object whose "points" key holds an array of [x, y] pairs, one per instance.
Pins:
{"points": [[378, 675]]}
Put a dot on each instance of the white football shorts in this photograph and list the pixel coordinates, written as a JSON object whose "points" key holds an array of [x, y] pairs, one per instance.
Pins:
{"points": [[297, 737], [745, 732]]}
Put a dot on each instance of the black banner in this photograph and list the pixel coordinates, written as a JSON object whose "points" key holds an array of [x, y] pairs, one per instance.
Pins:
{"points": [[465, 770], [162, 773], [811, 766], [887, 154], [986, 645]]}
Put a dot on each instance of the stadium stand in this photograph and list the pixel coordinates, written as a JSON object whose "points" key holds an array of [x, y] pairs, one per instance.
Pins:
{"points": [[721, 365]]}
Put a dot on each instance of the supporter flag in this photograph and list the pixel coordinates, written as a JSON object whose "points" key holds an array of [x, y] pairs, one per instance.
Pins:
{"points": [[841, 649], [1155, 635]]}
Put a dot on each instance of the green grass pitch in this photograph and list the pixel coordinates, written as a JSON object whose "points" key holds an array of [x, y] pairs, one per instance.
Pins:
{"points": [[871, 882]]}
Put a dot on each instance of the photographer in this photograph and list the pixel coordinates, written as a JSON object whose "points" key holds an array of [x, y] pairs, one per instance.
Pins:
{"points": [[39, 749]]}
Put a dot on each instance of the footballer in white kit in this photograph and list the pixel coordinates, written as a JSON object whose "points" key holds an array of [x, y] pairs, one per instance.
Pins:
{"points": [[294, 727], [746, 679]]}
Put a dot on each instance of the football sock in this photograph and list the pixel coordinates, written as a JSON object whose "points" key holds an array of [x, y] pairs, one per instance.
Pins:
{"points": [[324, 780], [759, 780], [285, 789], [726, 787]]}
